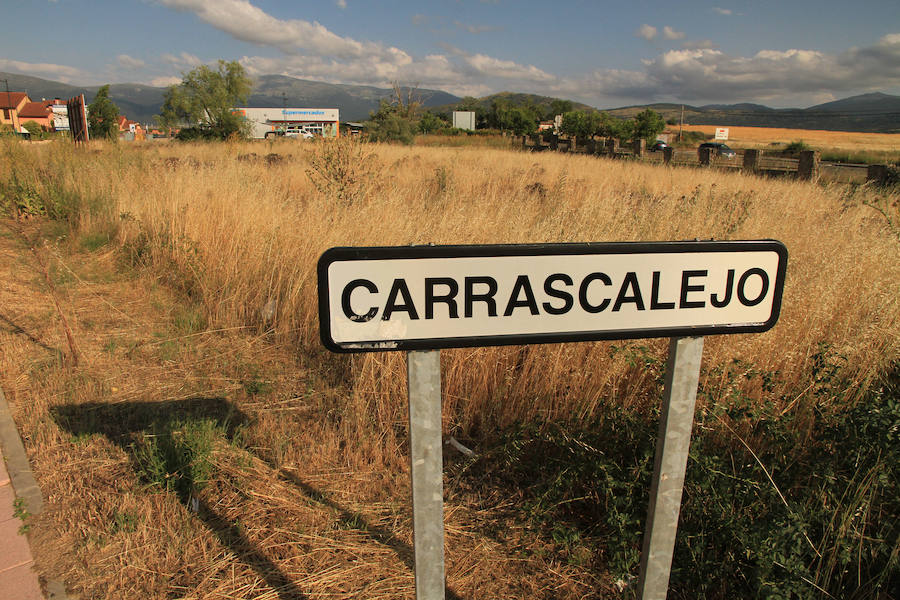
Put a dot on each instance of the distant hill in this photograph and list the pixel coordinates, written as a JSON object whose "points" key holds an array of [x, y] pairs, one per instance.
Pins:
{"points": [[875, 112], [143, 102], [514, 98], [354, 101]]}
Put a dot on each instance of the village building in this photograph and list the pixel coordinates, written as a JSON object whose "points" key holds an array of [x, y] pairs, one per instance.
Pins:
{"points": [[10, 105], [320, 122]]}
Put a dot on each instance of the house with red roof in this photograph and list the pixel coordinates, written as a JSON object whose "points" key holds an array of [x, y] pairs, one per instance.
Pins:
{"points": [[10, 105], [39, 112], [127, 126]]}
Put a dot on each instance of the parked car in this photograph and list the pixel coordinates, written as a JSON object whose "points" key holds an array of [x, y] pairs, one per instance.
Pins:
{"points": [[718, 149], [658, 146], [291, 133]]}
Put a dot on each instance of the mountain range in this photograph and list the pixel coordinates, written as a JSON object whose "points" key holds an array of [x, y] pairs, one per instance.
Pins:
{"points": [[874, 112]]}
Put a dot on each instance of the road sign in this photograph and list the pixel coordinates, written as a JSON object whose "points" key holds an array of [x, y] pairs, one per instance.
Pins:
{"points": [[430, 297], [420, 298], [722, 133]]}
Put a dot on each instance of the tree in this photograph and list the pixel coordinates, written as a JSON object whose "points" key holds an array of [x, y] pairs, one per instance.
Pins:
{"points": [[388, 125], [559, 107], [103, 116], [468, 104], [33, 128], [647, 125], [430, 123], [204, 101], [406, 100]]}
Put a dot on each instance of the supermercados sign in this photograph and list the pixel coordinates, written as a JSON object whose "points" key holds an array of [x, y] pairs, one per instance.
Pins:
{"points": [[429, 297]]}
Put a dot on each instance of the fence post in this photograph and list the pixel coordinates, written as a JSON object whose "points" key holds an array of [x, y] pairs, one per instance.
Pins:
{"points": [[611, 147], [572, 144], [524, 141], [554, 142], [638, 147], [705, 156], [668, 154], [877, 174], [751, 161], [808, 168]]}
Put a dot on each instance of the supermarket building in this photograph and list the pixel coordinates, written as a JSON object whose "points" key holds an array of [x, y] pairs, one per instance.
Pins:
{"points": [[322, 122]]}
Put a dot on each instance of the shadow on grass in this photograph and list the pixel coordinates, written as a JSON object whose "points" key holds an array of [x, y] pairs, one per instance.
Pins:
{"points": [[165, 440], [382, 536], [18, 330], [172, 456]]}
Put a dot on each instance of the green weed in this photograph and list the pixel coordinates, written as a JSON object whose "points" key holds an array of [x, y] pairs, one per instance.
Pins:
{"points": [[177, 456]]}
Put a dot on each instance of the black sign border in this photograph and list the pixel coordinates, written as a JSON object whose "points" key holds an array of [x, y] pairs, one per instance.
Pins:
{"points": [[337, 254]]}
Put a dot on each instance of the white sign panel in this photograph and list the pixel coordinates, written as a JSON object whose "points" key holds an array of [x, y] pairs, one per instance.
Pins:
{"points": [[721, 133], [427, 297]]}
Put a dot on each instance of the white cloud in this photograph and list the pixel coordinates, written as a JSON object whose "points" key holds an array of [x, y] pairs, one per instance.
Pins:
{"points": [[697, 71], [648, 32], [722, 11], [707, 74], [342, 4], [184, 60], [63, 73], [129, 62], [164, 81], [506, 69], [671, 34], [246, 22]]}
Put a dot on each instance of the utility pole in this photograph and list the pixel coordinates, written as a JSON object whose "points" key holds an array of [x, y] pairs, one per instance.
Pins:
{"points": [[10, 110]]}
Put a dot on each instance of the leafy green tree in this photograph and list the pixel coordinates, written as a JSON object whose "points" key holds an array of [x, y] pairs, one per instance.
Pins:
{"points": [[647, 125], [558, 107], [579, 124], [522, 120], [430, 122], [204, 101], [103, 116], [388, 125], [468, 104], [505, 116]]}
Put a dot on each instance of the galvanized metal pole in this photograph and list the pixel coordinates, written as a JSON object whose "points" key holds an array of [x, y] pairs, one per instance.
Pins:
{"points": [[426, 459], [673, 441]]}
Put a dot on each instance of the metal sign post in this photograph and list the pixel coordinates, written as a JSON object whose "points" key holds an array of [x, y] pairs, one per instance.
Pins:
{"points": [[672, 443], [423, 369]]}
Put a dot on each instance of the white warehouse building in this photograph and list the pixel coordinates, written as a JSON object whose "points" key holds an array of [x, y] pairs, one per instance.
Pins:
{"points": [[322, 122]]}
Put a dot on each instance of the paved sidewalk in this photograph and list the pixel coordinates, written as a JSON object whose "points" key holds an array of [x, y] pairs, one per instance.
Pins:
{"points": [[17, 577]]}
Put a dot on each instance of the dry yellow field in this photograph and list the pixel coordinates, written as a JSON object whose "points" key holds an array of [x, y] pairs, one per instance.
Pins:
{"points": [[844, 140], [206, 446]]}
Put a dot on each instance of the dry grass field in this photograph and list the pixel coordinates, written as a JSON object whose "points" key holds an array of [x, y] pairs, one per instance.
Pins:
{"points": [[749, 137], [206, 446]]}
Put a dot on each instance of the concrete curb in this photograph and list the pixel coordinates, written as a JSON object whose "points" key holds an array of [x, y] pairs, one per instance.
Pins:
{"points": [[20, 474], [22, 479]]}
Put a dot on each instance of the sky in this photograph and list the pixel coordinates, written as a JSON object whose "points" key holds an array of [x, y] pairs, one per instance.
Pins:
{"points": [[786, 53]]}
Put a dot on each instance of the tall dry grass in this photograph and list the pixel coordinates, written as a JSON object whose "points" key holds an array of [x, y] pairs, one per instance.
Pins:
{"points": [[241, 226]]}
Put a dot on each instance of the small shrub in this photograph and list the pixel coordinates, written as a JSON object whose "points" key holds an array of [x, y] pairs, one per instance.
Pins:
{"points": [[343, 168], [795, 148]]}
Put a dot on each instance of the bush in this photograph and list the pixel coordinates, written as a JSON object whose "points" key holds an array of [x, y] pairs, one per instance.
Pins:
{"points": [[795, 148], [802, 513]]}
